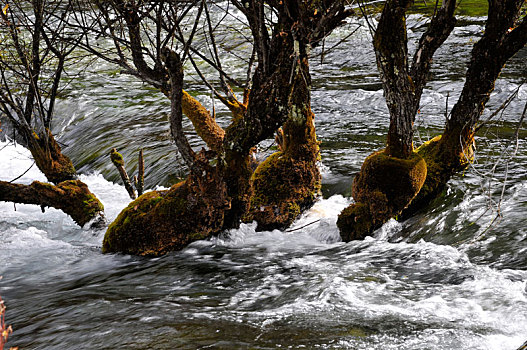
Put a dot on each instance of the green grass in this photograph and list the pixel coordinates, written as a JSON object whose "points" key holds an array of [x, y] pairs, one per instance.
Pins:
{"points": [[473, 8]]}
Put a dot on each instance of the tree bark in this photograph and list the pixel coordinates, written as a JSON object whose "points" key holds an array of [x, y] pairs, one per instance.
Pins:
{"points": [[402, 85], [453, 150], [389, 180], [289, 181], [215, 197], [118, 162], [140, 179], [49, 158], [503, 37], [390, 43], [72, 197]]}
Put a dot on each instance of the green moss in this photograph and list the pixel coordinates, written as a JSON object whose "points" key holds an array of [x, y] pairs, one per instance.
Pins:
{"points": [[72, 197], [49, 158], [266, 177], [116, 157], [384, 187], [129, 217], [398, 179], [429, 152], [355, 222], [283, 187], [288, 181], [442, 162], [198, 235], [161, 221], [91, 200], [293, 209]]}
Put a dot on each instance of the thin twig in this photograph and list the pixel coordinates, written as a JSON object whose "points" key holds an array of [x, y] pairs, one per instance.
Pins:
{"points": [[301, 227], [24, 173]]}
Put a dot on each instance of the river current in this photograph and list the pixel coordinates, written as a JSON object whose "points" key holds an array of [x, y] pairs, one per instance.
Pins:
{"points": [[451, 277]]}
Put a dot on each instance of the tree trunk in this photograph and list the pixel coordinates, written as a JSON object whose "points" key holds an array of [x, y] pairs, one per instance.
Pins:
{"points": [[49, 158], [32, 60], [214, 198], [390, 43], [501, 40], [447, 154], [403, 85], [72, 197], [288, 181], [162, 221], [390, 179]]}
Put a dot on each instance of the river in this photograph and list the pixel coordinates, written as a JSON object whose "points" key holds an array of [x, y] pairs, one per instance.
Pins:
{"points": [[452, 277]]}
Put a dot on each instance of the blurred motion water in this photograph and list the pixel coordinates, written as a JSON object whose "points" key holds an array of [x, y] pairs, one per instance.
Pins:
{"points": [[449, 278]]}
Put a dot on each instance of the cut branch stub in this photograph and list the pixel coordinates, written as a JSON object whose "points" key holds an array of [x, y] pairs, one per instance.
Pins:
{"points": [[118, 161], [140, 182], [203, 122]]}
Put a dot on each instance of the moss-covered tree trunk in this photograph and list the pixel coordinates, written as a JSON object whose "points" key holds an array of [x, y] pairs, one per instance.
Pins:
{"points": [[49, 158], [72, 197], [216, 197], [33, 56], [67, 193], [289, 180], [391, 178], [505, 34]]}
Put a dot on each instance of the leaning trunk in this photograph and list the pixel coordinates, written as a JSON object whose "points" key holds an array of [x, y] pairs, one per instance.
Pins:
{"points": [[72, 197], [453, 151], [49, 158], [391, 178]]}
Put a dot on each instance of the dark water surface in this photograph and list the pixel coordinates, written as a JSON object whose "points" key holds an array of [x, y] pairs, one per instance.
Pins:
{"points": [[446, 279]]}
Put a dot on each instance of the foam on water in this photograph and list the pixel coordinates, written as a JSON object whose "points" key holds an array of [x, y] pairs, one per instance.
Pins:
{"points": [[361, 295], [17, 159]]}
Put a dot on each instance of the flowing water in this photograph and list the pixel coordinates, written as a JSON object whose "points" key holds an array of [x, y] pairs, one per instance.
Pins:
{"points": [[451, 277]]}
